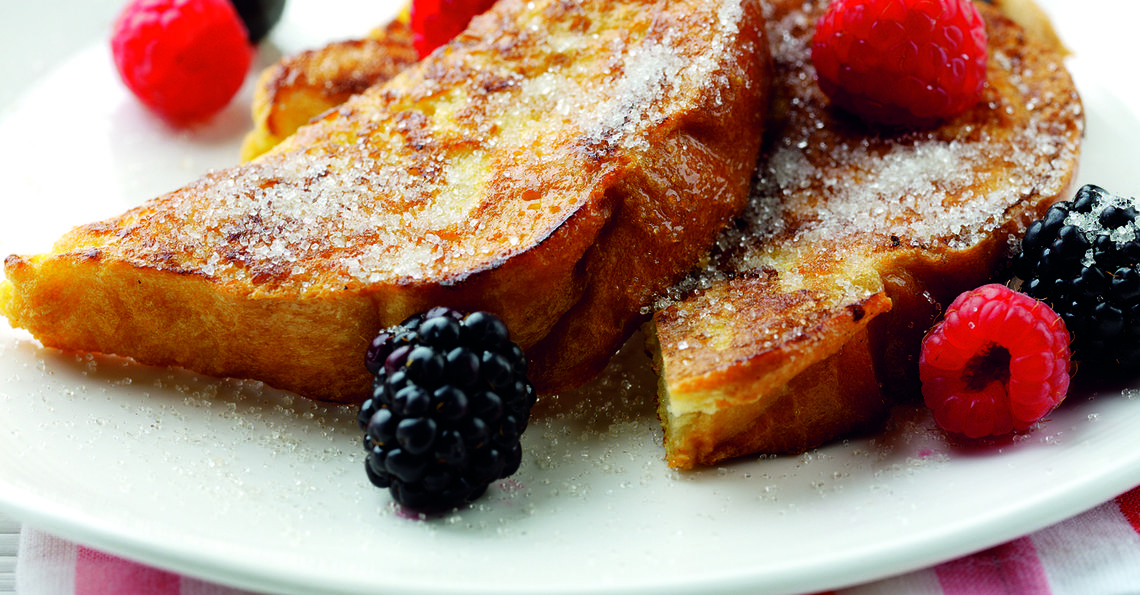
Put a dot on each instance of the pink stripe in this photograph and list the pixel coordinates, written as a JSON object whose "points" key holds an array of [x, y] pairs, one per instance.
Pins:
{"points": [[97, 573], [1129, 503], [1008, 569]]}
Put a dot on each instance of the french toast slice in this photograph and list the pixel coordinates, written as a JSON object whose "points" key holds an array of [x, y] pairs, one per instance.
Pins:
{"points": [[559, 164], [302, 86], [808, 322]]}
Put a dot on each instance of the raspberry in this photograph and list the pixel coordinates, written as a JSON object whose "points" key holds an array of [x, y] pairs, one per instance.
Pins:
{"points": [[997, 362], [183, 59], [435, 22], [449, 406], [908, 63], [1083, 259]]}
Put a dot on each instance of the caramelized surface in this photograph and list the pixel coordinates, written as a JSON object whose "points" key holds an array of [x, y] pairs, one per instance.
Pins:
{"points": [[551, 150], [300, 87], [853, 239]]}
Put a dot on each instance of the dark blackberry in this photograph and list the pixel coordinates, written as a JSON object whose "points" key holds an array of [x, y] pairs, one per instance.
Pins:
{"points": [[1083, 259], [449, 405], [259, 16]]}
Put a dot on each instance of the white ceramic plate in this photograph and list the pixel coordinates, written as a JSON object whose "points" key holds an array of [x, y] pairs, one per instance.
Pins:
{"points": [[233, 482]]}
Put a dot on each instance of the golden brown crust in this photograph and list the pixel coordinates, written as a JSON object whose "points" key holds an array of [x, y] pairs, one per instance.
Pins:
{"points": [[791, 425], [1029, 15], [726, 345], [770, 355], [523, 170], [302, 86], [167, 317]]}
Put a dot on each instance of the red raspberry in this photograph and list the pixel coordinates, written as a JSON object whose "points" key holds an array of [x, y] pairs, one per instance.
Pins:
{"points": [[997, 362], [904, 63], [184, 59], [435, 22]]}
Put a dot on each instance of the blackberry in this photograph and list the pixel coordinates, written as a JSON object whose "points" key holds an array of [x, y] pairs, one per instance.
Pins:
{"points": [[1083, 259], [259, 16], [449, 405]]}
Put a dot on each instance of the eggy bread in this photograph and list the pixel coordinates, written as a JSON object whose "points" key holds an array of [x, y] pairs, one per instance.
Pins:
{"points": [[302, 86], [853, 387], [559, 164], [808, 322], [1035, 21]]}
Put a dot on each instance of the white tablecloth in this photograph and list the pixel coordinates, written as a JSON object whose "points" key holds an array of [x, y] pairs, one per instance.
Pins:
{"points": [[9, 543]]}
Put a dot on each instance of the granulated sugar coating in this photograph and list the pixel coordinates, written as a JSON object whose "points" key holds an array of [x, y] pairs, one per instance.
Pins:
{"points": [[453, 170], [806, 322], [830, 179], [560, 165]]}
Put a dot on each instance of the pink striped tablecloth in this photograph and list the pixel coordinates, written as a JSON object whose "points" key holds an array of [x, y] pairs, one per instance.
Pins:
{"points": [[1096, 552]]}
